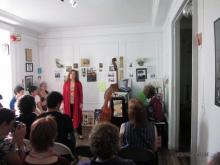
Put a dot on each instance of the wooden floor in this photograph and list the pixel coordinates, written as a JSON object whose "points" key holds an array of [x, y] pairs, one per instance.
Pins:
{"points": [[165, 157]]}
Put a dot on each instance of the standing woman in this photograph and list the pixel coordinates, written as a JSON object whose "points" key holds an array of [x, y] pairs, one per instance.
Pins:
{"points": [[73, 100], [43, 93]]}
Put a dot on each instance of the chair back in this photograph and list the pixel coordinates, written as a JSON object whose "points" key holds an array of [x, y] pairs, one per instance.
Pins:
{"points": [[139, 156], [64, 151], [84, 151]]}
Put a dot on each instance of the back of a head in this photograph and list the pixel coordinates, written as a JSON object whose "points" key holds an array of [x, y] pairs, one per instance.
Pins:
{"points": [[43, 133], [43, 83], [18, 89], [215, 159], [104, 140], [54, 99], [136, 112], [6, 115], [149, 91], [31, 89], [26, 104]]}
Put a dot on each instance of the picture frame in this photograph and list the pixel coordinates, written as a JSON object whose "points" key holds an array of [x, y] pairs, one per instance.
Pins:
{"points": [[29, 67], [85, 62], [141, 74], [217, 61], [28, 55], [28, 82]]}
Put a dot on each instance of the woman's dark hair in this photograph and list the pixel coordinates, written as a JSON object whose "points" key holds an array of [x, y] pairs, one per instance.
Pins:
{"points": [[26, 104], [104, 140], [53, 99], [6, 115], [31, 89], [18, 89], [149, 91], [77, 75], [136, 112], [43, 133]]}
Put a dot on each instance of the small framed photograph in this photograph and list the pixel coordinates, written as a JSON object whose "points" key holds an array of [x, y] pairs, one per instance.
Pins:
{"points": [[141, 74], [29, 67], [28, 82], [75, 65], [28, 55]]}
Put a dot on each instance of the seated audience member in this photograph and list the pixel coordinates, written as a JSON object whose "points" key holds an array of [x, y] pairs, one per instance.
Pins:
{"points": [[138, 132], [141, 96], [33, 91], [8, 154], [64, 122], [104, 144], [43, 93], [42, 136], [18, 91], [215, 159], [154, 108], [1, 106], [27, 107]]}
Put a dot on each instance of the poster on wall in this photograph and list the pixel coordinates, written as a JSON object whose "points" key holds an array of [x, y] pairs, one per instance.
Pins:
{"points": [[217, 61], [112, 77], [28, 55], [68, 68], [141, 74], [91, 75], [75, 66], [28, 82], [83, 72], [85, 62]]}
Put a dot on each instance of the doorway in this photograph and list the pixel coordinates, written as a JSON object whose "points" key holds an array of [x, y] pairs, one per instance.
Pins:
{"points": [[5, 68], [182, 79], [185, 83]]}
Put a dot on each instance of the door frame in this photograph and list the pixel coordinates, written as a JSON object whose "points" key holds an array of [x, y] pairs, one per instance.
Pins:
{"points": [[175, 79]]}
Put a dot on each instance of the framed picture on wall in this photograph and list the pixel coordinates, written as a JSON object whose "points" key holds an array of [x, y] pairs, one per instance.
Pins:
{"points": [[141, 74], [217, 61], [28, 54], [29, 67], [28, 82]]}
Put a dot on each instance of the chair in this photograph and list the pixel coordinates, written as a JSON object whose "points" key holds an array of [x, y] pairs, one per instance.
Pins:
{"points": [[139, 156], [84, 151], [64, 151]]}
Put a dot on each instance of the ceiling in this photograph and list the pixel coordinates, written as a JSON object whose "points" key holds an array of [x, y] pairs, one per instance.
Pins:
{"points": [[48, 14]]}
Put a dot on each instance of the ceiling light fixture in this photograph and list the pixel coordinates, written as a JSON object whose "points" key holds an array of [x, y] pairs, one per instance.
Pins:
{"points": [[72, 2]]}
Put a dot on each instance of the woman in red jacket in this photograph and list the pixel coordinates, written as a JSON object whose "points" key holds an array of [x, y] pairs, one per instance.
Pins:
{"points": [[73, 100]]}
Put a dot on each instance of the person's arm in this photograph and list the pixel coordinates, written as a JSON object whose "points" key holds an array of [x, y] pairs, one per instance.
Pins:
{"points": [[121, 133], [81, 95], [13, 157], [155, 139]]}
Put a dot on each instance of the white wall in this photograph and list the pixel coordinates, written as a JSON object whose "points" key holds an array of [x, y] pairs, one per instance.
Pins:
{"points": [[100, 47], [17, 53], [209, 114]]}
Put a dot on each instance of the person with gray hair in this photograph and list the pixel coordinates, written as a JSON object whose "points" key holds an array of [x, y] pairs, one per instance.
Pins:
{"points": [[215, 159], [104, 144]]}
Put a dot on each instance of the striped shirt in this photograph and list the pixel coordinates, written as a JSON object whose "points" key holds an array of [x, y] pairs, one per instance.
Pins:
{"points": [[141, 137]]}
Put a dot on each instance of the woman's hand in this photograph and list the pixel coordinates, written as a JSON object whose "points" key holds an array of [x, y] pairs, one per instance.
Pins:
{"points": [[81, 106], [19, 134]]}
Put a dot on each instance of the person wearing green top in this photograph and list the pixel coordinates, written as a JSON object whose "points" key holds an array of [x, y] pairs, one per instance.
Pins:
{"points": [[142, 97]]}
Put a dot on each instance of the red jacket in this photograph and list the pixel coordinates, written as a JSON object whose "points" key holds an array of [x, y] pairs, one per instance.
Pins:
{"points": [[78, 99]]}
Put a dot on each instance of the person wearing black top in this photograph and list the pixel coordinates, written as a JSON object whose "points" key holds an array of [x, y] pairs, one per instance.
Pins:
{"points": [[27, 106], [64, 122]]}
